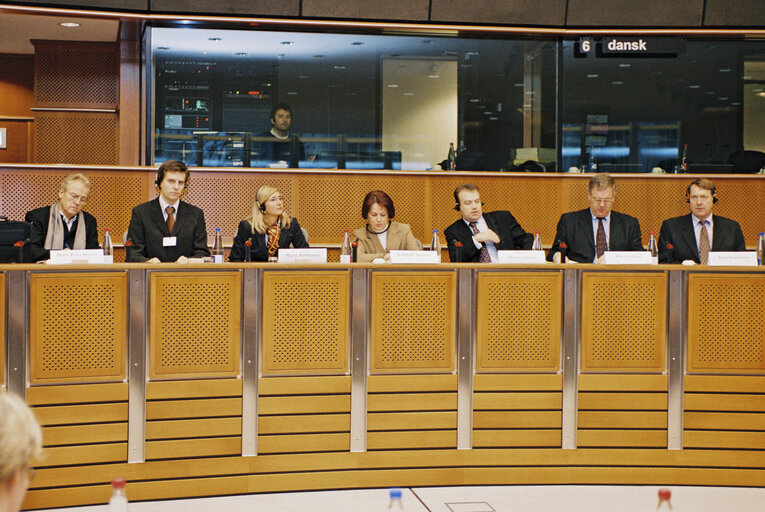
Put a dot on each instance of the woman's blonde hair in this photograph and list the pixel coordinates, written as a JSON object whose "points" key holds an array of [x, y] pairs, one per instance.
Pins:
{"points": [[257, 220], [20, 435]]}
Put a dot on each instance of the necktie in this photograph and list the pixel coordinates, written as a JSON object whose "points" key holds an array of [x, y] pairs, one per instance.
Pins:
{"points": [[485, 258], [273, 239], [703, 243], [600, 239], [170, 218]]}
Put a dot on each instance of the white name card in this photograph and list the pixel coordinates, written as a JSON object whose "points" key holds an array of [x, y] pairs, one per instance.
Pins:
{"points": [[534, 257], [628, 258], [417, 257], [65, 257], [732, 258], [318, 255]]}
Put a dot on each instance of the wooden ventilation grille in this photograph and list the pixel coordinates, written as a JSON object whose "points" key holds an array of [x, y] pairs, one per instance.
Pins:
{"points": [[195, 324], [623, 321], [413, 321], [726, 325], [76, 138], [305, 322], [83, 75], [77, 327], [530, 336]]}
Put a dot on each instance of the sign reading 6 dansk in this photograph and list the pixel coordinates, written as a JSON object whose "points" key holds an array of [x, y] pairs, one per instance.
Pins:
{"points": [[632, 46]]}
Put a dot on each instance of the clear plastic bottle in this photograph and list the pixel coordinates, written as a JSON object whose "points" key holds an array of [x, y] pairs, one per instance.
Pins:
{"points": [[345, 248], [217, 250], [108, 247], [395, 502], [435, 244], [537, 246], [761, 249], [653, 248], [118, 501], [452, 157]]}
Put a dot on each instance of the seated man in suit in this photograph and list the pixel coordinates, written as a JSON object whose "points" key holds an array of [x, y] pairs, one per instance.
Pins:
{"points": [[167, 229], [694, 235], [590, 232], [63, 225], [482, 234]]}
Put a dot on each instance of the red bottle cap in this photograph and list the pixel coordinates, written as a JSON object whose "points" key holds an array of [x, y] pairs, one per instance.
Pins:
{"points": [[664, 495], [118, 483]]}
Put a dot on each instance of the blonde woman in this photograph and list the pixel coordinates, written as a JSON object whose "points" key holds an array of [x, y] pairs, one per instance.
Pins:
{"points": [[269, 228], [20, 441]]}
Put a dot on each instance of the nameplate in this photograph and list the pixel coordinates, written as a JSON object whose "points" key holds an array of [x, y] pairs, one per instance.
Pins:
{"points": [[318, 255], [628, 258], [535, 257], [416, 257], [732, 258], [79, 256]]}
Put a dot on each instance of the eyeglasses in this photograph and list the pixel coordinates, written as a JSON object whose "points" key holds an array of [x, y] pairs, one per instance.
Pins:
{"points": [[76, 198], [598, 200]]}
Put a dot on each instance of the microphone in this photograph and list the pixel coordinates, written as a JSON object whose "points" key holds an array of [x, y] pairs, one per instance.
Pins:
{"points": [[128, 249], [563, 250], [457, 251], [355, 249], [248, 250]]}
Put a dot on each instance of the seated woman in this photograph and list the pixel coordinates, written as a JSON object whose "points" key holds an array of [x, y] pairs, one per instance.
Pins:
{"points": [[269, 228], [20, 441], [381, 235]]}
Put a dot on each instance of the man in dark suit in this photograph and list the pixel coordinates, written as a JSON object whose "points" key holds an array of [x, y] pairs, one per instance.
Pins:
{"points": [[590, 232], [689, 235], [482, 234], [63, 225], [167, 229]]}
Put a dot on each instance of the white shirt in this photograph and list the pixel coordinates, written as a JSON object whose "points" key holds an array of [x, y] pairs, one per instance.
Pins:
{"points": [[482, 226], [163, 204]]}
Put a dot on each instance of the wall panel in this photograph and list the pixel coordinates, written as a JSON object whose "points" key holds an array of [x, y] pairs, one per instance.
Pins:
{"points": [[550, 13], [400, 10], [646, 13], [253, 7], [734, 13]]}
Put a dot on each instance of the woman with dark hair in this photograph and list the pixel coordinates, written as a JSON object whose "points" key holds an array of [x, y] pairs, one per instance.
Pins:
{"points": [[381, 234]]}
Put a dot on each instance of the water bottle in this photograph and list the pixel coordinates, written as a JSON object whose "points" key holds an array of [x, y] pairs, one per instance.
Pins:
{"points": [[118, 502], [108, 248], [217, 250], [761, 249], [345, 248], [684, 161], [452, 157], [435, 244], [395, 502], [537, 246], [652, 248]]}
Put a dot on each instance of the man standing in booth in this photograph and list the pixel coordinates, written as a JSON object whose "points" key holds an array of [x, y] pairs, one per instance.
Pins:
{"points": [[590, 232], [167, 229], [482, 234], [693, 236]]}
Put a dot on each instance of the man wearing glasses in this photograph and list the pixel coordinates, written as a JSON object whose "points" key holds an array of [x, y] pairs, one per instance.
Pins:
{"points": [[63, 225], [590, 232]]}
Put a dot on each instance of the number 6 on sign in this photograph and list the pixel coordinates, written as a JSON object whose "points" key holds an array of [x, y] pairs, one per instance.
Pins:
{"points": [[585, 44]]}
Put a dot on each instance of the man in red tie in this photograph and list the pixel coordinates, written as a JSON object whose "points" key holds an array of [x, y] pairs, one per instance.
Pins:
{"points": [[482, 234], [167, 229], [591, 232], [694, 235]]}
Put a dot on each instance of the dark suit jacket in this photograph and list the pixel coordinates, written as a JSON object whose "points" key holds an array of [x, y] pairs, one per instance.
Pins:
{"points": [[292, 235], [511, 236], [726, 236], [271, 149], [148, 227], [39, 219], [575, 228]]}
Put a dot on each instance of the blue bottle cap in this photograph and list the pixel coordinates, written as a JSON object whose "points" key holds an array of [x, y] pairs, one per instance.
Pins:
{"points": [[395, 493]]}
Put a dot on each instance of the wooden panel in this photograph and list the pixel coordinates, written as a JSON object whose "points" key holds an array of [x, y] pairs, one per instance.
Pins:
{"points": [[412, 439], [516, 419], [304, 443], [367, 9], [175, 409], [516, 438], [726, 327], [304, 385], [545, 13], [724, 384], [18, 141], [305, 325], [622, 419], [304, 404], [724, 402], [77, 394], [78, 327], [614, 382], [82, 454], [411, 420], [180, 429], [420, 308], [647, 13], [624, 319], [81, 414], [625, 438], [306, 424], [717, 439], [16, 84], [623, 401], [252, 7], [403, 383], [412, 402], [201, 338], [733, 13], [510, 382], [517, 401], [193, 389], [530, 337], [2, 329], [185, 448], [74, 434], [67, 137], [724, 421]]}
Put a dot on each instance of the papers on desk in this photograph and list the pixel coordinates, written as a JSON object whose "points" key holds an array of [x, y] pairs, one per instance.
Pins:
{"points": [[76, 256], [316, 255]]}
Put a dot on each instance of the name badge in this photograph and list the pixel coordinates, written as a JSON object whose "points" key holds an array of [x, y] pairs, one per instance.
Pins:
{"points": [[418, 257], [512, 257], [732, 259], [628, 258], [168, 241], [307, 255]]}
